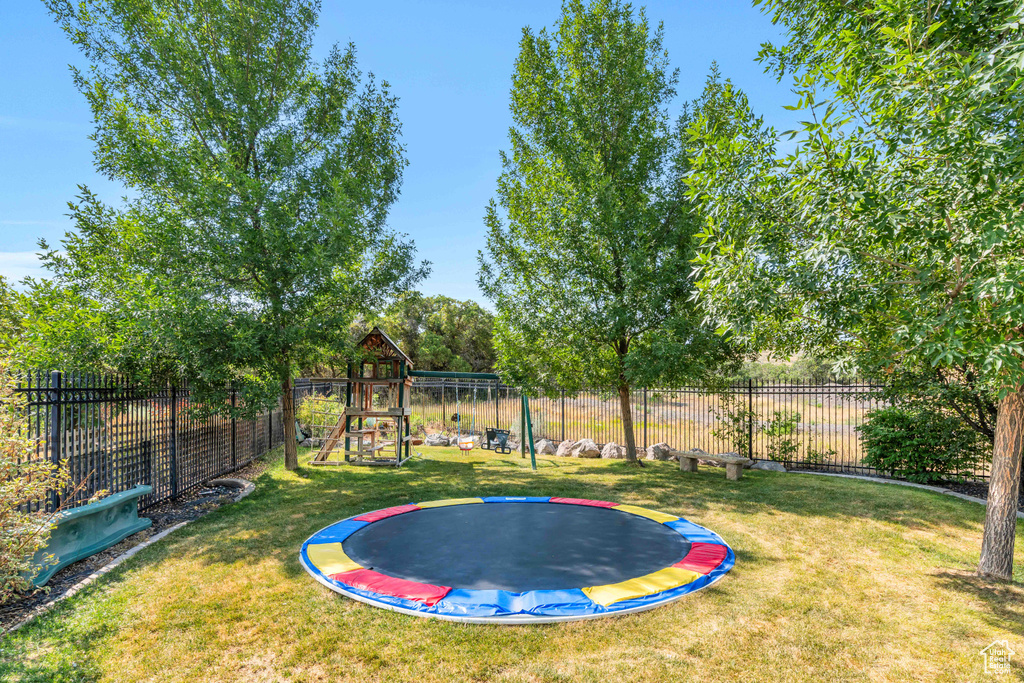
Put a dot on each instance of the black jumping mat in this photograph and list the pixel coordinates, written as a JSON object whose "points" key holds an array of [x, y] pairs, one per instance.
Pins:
{"points": [[516, 546]]}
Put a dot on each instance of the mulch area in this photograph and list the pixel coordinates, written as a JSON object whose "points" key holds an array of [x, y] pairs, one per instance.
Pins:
{"points": [[187, 507], [979, 489]]}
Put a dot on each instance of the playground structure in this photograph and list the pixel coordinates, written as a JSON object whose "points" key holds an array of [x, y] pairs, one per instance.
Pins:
{"points": [[374, 428]]}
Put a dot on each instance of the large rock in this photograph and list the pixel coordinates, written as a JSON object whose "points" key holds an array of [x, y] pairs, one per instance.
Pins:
{"points": [[659, 451], [545, 447], [768, 465], [564, 449], [437, 440], [613, 451], [586, 448]]}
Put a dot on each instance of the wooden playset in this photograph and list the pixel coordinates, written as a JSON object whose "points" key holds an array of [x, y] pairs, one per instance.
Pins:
{"points": [[375, 425]]}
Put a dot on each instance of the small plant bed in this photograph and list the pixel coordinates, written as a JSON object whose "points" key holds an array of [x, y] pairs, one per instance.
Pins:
{"points": [[187, 507], [978, 489]]}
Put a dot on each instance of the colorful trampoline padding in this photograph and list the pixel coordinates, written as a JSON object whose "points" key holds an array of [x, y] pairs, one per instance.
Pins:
{"points": [[707, 558]]}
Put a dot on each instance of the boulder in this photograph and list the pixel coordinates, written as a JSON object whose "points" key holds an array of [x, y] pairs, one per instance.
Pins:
{"points": [[564, 449], [586, 448], [613, 451], [659, 451], [768, 465], [545, 447], [437, 440]]}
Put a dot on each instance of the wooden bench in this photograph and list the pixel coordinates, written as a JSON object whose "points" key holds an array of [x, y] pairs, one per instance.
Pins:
{"points": [[733, 463]]}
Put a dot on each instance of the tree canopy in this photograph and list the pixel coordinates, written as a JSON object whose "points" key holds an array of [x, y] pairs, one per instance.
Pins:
{"points": [[261, 187], [441, 333], [894, 231], [436, 332], [589, 268]]}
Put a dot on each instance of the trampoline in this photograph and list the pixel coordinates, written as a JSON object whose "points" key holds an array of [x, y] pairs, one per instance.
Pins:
{"points": [[516, 560]]}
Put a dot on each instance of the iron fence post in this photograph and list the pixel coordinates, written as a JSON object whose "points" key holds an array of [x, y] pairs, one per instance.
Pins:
{"points": [[234, 433], [563, 414], [645, 418], [174, 441], [750, 418], [147, 466], [56, 431]]}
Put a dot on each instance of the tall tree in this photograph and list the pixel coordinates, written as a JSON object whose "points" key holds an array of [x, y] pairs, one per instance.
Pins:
{"points": [[590, 273], [896, 228], [262, 183]]}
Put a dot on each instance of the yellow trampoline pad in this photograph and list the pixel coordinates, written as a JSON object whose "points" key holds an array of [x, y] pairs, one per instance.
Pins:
{"points": [[659, 517], [662, 580], [449, 501], [330, 559]]}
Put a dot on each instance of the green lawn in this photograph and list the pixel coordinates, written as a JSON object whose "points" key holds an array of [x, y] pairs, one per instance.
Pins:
{"points": [[834, 580]]}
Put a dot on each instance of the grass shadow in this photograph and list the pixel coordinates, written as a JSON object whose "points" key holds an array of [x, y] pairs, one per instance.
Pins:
{"points": [[1003, 602]]}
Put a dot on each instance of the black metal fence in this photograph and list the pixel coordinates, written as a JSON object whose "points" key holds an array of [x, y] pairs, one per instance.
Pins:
{"points": [[812, 426], [799, 425], [114, 436]]}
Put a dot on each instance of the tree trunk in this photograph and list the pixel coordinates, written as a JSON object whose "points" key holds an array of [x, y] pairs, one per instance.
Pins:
{"points": [[1003, 489], [627, 421], [291, 451]]}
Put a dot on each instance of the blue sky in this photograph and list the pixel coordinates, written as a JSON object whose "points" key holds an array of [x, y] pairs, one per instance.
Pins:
{"points": [[449, 62]]}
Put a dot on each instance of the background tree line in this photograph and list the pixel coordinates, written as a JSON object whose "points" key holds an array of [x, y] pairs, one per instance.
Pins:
{"points": [[437, 332]]}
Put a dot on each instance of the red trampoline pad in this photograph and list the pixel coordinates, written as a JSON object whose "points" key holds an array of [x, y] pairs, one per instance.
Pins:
{"points": [[703, 557], [369, 580], [584, 501], [385, 513]]}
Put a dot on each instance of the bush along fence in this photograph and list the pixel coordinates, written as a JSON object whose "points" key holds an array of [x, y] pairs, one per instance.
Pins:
{"points": [[114, 435]]}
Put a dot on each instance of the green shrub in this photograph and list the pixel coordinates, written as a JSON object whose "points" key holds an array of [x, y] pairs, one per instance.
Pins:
{"points": [[319, 414], [24, 484], [732, 422], [921, 445], [416, 424], [780, 431]]}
